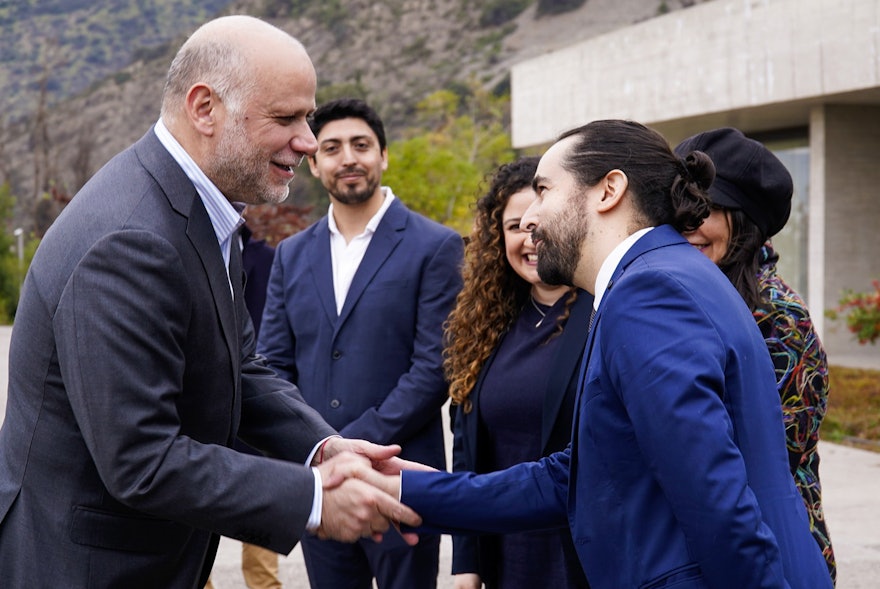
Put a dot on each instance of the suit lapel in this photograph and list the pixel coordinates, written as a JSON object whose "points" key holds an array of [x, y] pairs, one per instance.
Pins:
{"points": [[201, 235], [388, 235], [658, 237], [565, 363], [184, 199], [472, 419], [321, 265]]}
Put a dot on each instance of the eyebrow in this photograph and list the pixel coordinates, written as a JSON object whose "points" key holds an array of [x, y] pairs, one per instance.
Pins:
{"points": [[349, 139]]}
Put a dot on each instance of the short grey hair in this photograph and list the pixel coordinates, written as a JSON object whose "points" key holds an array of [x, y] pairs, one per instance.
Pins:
{"points": [[220, 65]]}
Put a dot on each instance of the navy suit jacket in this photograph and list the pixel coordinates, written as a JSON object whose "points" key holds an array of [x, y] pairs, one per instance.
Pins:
{"points": [[677, 471], [374, 371], [131, 372]]}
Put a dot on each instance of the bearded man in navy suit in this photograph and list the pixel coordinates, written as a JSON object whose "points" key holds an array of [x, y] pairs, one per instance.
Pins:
{"points": [[132, 365], [354, 317], [677, 473]]}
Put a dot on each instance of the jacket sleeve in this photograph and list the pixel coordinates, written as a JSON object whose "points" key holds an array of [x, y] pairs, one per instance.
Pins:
{"points": [[801, 368], [674, 385], [528, 496], [121, 329]]}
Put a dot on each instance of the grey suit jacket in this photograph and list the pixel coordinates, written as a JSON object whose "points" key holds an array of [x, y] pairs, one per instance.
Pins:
{"points": [[131, 372]]}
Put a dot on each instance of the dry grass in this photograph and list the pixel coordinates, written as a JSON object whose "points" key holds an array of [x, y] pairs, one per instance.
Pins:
{"points": [[853, 408]]}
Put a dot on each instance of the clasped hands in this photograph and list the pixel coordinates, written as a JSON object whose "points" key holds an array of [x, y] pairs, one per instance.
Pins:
{"points": [[361, 486]]}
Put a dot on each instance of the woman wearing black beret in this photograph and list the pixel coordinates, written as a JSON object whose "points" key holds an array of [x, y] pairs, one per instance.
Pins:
{"points": [[751, 198]]}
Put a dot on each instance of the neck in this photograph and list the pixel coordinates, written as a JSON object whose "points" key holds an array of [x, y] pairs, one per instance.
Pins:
{"points": [[596, 248], [352, 219], [546, 294]]}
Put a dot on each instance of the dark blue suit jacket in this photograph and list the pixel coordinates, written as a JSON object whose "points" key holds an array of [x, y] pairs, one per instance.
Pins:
{"points": [[677, 471], [374, 371]]}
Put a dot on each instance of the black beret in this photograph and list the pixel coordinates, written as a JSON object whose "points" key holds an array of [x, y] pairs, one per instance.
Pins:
{"points": [[747, 176]]}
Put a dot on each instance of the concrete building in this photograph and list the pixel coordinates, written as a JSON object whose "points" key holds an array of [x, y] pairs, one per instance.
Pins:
{"points": [[803, 76]]}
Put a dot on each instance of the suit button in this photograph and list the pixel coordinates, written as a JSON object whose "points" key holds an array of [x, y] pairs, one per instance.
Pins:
{"points": [[337, 354], [335, 403]]}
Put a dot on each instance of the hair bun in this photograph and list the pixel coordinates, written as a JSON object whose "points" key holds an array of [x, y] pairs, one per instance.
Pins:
{"points": [[699, 168]]}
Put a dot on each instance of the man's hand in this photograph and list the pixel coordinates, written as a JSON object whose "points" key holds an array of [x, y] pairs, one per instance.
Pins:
{"points": [[467, 581], [383, 458], [360, 502]]}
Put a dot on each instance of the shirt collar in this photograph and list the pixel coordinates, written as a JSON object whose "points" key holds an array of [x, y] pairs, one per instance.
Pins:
{"points": [[374, 221], [225, 217], [611, 262]]}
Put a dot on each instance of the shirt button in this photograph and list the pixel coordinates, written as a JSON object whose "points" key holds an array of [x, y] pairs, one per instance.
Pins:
{"points": [[334, 403], [337, 354]]}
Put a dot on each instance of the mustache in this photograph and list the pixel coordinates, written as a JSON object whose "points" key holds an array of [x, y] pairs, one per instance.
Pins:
{"points": [[351, 170], [538, 234]]}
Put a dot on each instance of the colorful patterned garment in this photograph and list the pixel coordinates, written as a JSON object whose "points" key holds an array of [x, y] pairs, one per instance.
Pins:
{"points": [[802, 381]]}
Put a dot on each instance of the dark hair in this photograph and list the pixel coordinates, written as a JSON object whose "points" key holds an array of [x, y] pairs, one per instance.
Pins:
{"points": [[665, 189], [743, 258], [347, 108]]}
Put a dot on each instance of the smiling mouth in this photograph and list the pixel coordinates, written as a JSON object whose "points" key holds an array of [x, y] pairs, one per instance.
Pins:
{"points": [[289, 168], [531, 257]]}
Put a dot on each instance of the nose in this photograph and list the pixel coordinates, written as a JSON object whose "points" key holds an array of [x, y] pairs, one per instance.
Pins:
{"points": [[348, 157], [531, 218], [304, 141]]}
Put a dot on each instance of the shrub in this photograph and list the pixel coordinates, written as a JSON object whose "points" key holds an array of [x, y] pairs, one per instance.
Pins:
{"points": [[861, 311]]}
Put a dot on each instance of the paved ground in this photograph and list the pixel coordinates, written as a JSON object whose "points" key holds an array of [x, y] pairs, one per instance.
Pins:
{"points": [[851, 480]]}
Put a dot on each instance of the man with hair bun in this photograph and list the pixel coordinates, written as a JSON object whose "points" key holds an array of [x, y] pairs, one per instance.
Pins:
{"points": [[677, 472]]}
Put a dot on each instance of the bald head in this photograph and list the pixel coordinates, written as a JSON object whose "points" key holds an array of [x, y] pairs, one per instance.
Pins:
{"points": [[228, 54]]}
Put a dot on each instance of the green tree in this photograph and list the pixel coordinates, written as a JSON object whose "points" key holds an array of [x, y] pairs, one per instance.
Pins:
{"points": [[10, 273], [461, 137], [12, 269]]}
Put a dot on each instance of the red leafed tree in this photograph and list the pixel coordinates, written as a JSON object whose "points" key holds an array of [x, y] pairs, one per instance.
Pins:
{"points": [[275, 222]]}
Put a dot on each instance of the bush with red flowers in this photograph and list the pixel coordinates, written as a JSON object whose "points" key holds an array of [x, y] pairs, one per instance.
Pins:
{"points": [[861, 311]]}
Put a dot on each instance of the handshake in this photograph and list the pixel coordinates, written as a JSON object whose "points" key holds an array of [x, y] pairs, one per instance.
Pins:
{"points": [[361, 486]]}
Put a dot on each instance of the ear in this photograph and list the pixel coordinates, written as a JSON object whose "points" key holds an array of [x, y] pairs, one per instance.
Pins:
{"points": [[313, 165], [614, 186], [202, 106], [384, 159]]}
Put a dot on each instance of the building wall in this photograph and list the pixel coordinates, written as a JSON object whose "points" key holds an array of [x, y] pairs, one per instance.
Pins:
{"points": [[751, 63], [763, 66], [849, 147]]}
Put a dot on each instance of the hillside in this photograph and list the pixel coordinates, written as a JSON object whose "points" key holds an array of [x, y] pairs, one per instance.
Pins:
{"points": [[393, 52], [70, 44]]}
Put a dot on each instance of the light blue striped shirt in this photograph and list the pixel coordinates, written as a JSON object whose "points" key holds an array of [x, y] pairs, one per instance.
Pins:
{"points": [[225, 218]]}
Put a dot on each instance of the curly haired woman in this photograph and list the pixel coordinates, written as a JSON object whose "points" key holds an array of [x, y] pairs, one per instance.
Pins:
{"points": [[512, 360]]}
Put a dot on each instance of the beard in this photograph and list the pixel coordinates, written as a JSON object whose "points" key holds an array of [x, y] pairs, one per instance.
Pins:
{"points": [[352, 195], [241, 173], [561, 238]]}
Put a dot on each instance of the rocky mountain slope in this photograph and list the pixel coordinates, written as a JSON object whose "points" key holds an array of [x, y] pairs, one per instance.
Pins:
{"points": [[393, 52]]}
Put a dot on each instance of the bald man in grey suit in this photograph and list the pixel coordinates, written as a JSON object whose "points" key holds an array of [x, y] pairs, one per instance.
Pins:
{"points": [[132, 365]]}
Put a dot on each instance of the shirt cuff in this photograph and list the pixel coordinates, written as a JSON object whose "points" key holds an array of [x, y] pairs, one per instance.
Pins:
{"points": [[317, 503], [318, 447]]}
